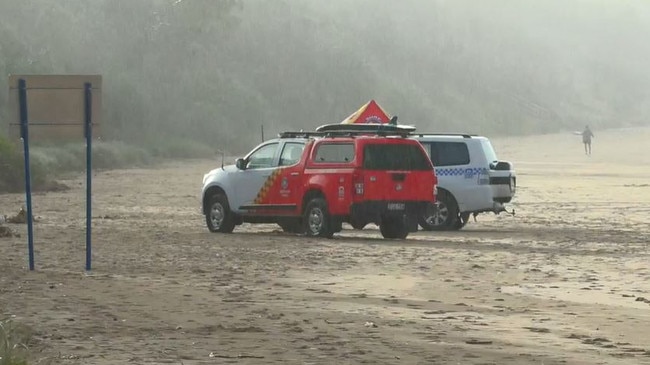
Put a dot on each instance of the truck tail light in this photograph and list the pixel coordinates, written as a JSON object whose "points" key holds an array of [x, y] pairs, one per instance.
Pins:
{"points": [[358, 185], [435, 191]]}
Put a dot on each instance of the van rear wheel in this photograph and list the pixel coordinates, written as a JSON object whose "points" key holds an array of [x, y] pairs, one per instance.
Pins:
{"points": [[444, 218], [462, 220]]}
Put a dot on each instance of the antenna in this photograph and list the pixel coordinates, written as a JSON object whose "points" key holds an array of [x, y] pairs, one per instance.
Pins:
{"points": [[222, 157], [262, 129]]}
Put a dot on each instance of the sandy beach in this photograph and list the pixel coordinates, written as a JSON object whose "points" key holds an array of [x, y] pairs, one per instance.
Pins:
{"points": [[564, 281]]}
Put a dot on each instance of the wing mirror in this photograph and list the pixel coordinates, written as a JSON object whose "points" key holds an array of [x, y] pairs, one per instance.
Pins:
{"points": [[240, 163]]}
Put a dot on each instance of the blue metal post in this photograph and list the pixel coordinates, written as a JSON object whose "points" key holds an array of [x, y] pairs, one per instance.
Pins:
{"points": [[24, 133], [89, 138]]}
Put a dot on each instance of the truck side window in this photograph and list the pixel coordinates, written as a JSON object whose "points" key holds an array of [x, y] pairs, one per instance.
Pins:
{"points": [[378, 156], [263, 157], [334, 152], [291, 153]]}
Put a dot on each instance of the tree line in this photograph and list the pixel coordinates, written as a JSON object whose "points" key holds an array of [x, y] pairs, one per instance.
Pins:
{"points": [[214, 72]]}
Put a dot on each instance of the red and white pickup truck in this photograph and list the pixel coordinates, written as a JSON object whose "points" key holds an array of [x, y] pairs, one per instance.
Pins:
{"points": [[312, 182]]}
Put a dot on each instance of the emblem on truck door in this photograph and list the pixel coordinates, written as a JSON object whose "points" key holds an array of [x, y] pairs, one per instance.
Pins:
{"points": [[398, 187]]}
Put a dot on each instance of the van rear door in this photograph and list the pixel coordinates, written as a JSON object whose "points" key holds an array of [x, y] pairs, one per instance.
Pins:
{"points": [[502, 176]]}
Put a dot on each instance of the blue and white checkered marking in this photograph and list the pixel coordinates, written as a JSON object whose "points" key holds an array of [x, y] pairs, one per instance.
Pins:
{"points": [[468, 172]]}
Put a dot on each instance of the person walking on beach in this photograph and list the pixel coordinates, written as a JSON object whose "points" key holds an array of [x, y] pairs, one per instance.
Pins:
{"points": [[587, 134]]}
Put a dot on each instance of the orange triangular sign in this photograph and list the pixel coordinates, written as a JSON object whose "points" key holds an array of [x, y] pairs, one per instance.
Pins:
{"points": [[371, 112]]}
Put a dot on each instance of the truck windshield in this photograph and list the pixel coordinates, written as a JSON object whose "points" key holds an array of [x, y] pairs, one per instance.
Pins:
{"points": [[395, 157]]}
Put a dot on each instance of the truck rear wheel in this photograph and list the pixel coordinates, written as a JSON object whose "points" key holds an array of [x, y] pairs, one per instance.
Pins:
{"points": [[317, 221], [358, 224], [394, 228], [291, 226]]}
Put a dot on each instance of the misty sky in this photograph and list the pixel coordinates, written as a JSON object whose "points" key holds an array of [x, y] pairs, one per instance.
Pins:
{"points": [[197, 68]]}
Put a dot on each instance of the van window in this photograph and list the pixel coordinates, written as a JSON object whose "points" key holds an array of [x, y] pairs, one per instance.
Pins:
{"points": [[448, 153], [334, 152], [395, 157]]}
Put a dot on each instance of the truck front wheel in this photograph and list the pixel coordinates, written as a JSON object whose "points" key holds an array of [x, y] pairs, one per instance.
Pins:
{"points": [[219, 218]]}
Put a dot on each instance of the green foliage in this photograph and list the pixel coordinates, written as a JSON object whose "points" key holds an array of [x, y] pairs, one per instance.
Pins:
{"points": [[109, 155], [13, 343], [179, 148], [51, 161], [213, 72], [71, 157], [10, 165], [12, 168]]}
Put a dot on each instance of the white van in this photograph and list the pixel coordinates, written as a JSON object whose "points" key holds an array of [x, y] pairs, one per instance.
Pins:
{"points": [[471, 179]]}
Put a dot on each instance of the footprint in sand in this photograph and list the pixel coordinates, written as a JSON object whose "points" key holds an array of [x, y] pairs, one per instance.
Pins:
{"points": [[538, 329]]}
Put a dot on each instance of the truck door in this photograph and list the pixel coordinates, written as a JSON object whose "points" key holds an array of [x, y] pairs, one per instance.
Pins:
{"points": [[285, 195], [260, 164]]}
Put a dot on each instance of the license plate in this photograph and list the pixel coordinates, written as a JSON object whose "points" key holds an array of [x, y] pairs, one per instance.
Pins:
{"points": [[396, 206]]}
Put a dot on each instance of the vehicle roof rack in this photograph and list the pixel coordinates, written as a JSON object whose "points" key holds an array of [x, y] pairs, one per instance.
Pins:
{"points": [[352, 130], [343, 133], [366, 127], [464, 135], [300, 134]]}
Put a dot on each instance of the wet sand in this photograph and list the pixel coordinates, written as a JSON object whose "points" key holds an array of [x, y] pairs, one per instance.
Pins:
{"points": [[564, 281]]}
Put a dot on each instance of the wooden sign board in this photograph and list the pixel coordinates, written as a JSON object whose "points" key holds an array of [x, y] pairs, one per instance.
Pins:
{"points": [[58, 102]]}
